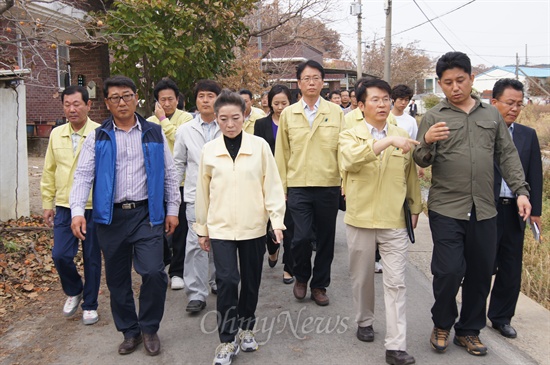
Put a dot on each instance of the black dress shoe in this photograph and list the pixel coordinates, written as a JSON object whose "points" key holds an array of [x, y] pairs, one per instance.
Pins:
{"points": [[272, 263], [506, 330], [151, 344], [195, 306], [129, 345], [395, 357], [365, 334], [214, 291]]}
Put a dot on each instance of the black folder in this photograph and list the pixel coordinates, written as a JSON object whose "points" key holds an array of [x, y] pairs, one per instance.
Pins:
{"points": [[408, 221]]}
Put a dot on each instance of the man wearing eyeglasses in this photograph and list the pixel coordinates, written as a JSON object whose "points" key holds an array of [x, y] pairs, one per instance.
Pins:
{"points": [[461, 138], [508, 99], [129, 163], [379, 175], [306, 151]]}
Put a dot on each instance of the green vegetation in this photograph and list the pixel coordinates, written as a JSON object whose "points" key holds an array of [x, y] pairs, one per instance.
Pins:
{"points": [[185, 41], [430, 101]]}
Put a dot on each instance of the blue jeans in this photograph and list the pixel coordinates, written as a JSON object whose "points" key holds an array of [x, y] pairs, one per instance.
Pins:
{"points": [[64, 251]]}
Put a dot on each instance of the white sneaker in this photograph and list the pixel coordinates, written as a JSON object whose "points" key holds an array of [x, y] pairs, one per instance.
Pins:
{"points": [[248, 342], [176, 283], [90, 317], [71, 305], [225, 352], [377, 267]]}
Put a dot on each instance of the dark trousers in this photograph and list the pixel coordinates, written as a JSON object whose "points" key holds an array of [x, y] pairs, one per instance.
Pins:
{"points": [[179, 238], [309, 205], [64, 251], [288, 235], [464, 251], [237, 310], [130, 237], [507, 285]]}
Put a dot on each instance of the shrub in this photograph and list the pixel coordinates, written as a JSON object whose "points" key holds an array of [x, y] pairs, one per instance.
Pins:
{"points": [[430, 101]]}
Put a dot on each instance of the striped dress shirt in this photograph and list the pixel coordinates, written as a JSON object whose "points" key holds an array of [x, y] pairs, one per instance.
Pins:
{"points": [[131, 177]]}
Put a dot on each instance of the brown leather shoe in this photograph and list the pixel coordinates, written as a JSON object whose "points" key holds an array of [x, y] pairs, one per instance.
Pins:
{"points": [[319, 296], [151, 343], [300, 290], [129, 345]]}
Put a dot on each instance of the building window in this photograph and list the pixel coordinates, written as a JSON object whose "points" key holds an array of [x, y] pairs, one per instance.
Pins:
{"points": [[63, 67], [429, 85]]}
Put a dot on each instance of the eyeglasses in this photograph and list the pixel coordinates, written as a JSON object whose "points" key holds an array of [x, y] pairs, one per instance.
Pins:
{"points": [[116, 99], [376, 101], [511, 104], [308, 79]]}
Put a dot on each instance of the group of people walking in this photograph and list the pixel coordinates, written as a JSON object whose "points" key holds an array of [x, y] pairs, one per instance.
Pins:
{"points": [[229, 182]]}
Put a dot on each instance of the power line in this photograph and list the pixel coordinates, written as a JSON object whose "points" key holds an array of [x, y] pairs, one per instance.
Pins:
{"points": [[437, 17], [422, 11]]}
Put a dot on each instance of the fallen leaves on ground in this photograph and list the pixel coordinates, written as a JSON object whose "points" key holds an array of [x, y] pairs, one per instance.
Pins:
{"points": [[27, 270]]}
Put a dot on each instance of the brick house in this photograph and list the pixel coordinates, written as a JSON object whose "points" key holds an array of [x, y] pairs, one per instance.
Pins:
{"points": [[55, 62]]}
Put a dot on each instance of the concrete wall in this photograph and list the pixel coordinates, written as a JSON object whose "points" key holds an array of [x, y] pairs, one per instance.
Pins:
{"points": [[14, 175]]}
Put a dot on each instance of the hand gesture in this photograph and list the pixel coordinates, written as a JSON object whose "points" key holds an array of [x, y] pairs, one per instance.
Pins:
{"points": [[437, 132]]}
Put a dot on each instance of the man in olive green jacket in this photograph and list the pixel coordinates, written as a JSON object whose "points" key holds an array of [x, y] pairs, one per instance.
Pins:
{"points": [[461, 138]]}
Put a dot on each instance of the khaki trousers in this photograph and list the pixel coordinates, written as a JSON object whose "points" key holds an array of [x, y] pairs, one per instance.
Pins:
{"points": [[393, 246]]}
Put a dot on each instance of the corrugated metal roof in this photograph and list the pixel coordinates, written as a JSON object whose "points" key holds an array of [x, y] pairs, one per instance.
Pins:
{"points": [[529, 71]]}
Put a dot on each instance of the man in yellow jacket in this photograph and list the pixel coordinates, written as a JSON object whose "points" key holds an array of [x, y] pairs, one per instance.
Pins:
{"points": [[306, 151], [251, 113], [59, 167], [379, 176], [169, 117]]}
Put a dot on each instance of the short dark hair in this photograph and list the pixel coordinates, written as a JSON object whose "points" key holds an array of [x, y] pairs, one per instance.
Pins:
{"points": [[277, 89], [76, 89], [504, 84], [165, 84], [452, 60], [312, 64], [344, 91], [246, 92], [378, 83], [228, 97], [334, 92], [359, 82], [206, 85], [120, 81], [401, 91]]}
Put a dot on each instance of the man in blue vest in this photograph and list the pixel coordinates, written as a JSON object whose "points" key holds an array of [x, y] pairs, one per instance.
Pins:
{"points": [[129, 163]]}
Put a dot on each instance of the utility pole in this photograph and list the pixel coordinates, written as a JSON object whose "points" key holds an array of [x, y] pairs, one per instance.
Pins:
{"points": [[387, 47], [517, 66], [356, 10], [526, 60]]}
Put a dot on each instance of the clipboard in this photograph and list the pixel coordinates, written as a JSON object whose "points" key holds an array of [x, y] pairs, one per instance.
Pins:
{"points": [[408, 221], [534, 229]]}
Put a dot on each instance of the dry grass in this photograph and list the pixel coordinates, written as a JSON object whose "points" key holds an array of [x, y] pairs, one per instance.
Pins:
{"points": [[538, 117], [536, 256]]}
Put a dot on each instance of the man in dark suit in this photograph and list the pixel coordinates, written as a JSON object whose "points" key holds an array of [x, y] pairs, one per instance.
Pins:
{"points": [[413, 109], [508, 99]]}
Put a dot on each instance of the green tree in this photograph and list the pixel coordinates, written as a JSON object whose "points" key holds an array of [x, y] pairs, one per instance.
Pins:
{"points": [[184, 40]]}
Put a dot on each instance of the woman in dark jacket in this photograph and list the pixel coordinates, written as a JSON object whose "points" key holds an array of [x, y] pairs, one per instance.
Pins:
{"points": [[278, 99]]}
